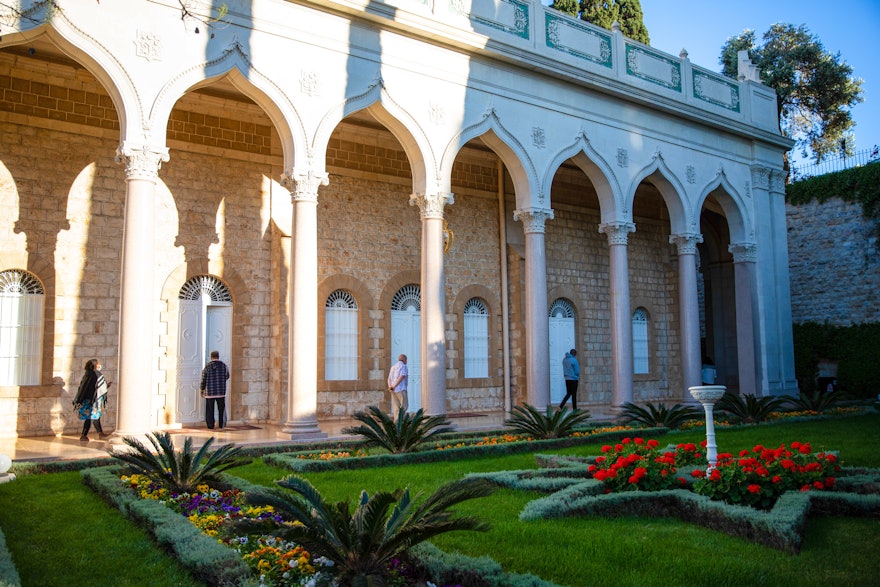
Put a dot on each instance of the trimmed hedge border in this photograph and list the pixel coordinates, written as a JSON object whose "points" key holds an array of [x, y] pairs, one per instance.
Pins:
{"points": [[8, 573], [209, 561], [290, 460], [573, 493]]}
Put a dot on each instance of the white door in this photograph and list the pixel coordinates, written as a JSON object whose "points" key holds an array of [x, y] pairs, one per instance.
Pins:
{"points": [[190, 360], [218, 337], [561, 341], [406, 331]]}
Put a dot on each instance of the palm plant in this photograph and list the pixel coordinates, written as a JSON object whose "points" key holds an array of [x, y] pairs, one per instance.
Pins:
{"points": [[814, 402], [552, 424], [749, 409], [178, 471], [659, 415], [406, 434], [382, 526]]}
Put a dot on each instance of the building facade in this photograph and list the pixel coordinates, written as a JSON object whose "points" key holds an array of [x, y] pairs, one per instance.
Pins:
{"points": [[312, 188]]}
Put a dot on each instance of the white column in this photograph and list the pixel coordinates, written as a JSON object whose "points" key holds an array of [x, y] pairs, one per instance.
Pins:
{"points": [[537, 323], [433, 311], [689, 324], [744, 256], [621, 313], [302, 332], [134, 382]]}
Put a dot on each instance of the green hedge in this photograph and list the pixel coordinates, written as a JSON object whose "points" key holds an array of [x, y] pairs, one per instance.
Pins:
{"points": [[855, 348], [8, 574]]}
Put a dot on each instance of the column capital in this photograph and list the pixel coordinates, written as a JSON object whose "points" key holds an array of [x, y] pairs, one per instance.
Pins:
{"points": [[686, 243], [617, 232], [777, 182], [533, 219], [141, 161], [431, 205], [303, 185], [744, 252], [760, 177]]}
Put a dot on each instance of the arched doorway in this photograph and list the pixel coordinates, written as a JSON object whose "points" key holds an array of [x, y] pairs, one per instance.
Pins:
{"points": [[204, 324], [406, 316], [561, 341]]}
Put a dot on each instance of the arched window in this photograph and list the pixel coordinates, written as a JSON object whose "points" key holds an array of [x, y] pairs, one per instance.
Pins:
{"points": [[21, 327], [341, 336], [205, 286], [476, 339], [408, 297], [640, 341]]}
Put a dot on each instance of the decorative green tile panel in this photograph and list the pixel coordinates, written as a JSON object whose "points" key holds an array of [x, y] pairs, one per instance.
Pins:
{"points": [[716, 89], [653, 66], [509, 16], [569, 36]]}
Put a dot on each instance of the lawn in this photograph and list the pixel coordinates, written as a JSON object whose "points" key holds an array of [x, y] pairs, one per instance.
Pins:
{"points": [[61, 534]]}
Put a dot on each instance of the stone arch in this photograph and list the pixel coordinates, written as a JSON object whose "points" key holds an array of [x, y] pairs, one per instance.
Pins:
{"points": [[234, 64], [738, 221], [597, 171], [681, 219], [400, 123], [366, 304], [511, 152]]}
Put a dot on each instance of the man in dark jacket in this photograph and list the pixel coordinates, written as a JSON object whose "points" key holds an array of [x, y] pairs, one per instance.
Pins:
{"points": [[213, 388]]}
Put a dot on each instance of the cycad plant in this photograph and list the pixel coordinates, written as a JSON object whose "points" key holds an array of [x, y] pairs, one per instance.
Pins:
{"points": [[178, 471], [815, 401], [527, 419], [382, 526], [659, 415], [405, 435], [749, 409]]}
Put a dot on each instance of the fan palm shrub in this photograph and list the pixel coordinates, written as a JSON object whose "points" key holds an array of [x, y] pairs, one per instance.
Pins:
{"points": [[385, 525], [527, 419], [815, 401], [405, 435], [749, 409], [178, 471], [659, 415]]}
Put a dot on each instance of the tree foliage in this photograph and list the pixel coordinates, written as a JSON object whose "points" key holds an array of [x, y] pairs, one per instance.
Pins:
{"points": [[603, 13], [815, 89]]}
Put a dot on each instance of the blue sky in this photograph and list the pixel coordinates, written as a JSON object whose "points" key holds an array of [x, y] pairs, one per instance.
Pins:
{"points": [[850, 28]]}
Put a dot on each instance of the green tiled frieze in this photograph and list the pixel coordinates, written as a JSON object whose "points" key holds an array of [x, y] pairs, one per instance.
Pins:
{"points": [[568, 36], [716, 89], [653, 67], [511, 16]]}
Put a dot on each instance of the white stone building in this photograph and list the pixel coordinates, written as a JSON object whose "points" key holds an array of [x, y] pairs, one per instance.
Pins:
{"points": [[313, 187]]}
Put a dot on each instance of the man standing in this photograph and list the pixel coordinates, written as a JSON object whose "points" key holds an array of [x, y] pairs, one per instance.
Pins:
{"points": [[571, 370], [213, 388], [397, 380]]}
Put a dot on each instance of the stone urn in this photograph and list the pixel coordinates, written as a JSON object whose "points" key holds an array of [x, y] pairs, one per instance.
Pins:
{"points": [[708, 395]]}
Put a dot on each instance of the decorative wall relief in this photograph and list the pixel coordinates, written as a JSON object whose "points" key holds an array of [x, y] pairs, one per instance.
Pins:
{"points": [[538, 137], [509, 16], [622, 157], [576, 39], [716, 90], [148, 45], [653, 67], [309, 83]]}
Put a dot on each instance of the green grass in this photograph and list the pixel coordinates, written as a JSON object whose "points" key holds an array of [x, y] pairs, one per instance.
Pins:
{"points": [[82, 541]]}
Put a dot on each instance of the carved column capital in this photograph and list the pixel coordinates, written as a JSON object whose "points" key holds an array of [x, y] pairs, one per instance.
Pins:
{"points": [[533, 219], [777, 182], [744, 252], [686, 243], [141, 162], [617, 232], [303, 185], [431, 205], [760, 177]]}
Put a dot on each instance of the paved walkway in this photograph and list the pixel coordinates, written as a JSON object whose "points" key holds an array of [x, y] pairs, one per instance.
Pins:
{"points": [[68, 446]]}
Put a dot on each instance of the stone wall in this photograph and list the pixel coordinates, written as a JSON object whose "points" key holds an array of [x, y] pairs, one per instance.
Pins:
{"points": [[834, 264]]}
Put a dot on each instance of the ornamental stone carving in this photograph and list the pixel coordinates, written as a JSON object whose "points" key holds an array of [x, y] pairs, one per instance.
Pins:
{"points": [[533, 219], [141, 163], [310, 83], [690, 172], [148, 45], [538, 137], [431, 205], [760, 177], [304, 185], [686, 243], [744, 252], [622, 157], [617, 232]]}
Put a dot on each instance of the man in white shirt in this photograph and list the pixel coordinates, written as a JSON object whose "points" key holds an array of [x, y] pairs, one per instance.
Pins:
{"points": [[397, 380]]}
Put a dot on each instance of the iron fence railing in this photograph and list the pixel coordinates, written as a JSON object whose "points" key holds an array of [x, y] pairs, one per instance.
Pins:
{"points": [[840, 163]]}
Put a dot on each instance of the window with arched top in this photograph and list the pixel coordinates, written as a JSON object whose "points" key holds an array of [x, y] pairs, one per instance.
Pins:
{"points": [[21, 327], [205, 286], [340, 336], [561, 308], [640, 342], [476, 339], [407, 298]]}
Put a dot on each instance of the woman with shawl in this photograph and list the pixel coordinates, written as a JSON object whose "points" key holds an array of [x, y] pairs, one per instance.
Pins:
{"points": [[91, 397]]}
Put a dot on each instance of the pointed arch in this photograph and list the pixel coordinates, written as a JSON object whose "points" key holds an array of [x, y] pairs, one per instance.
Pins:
{"points": [[597, 171], [512, 153], [682, 219], [733, 204], [400, 123], [234, 64]]}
